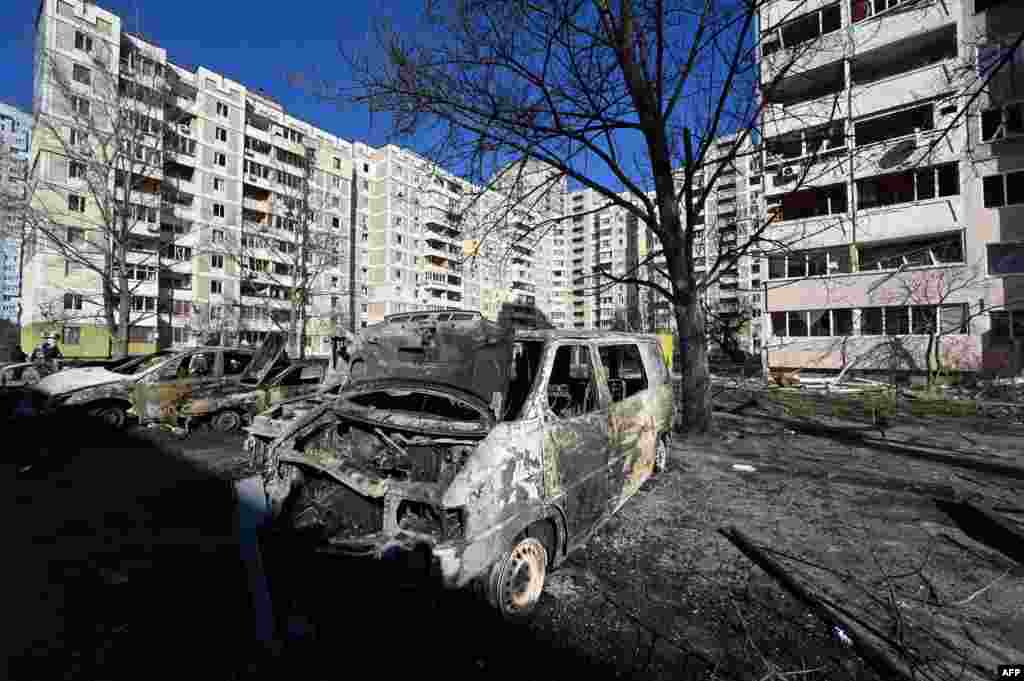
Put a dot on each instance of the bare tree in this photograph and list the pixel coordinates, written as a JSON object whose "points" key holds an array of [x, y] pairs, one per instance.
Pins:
{"points": [[625, 99], [98, 190]]}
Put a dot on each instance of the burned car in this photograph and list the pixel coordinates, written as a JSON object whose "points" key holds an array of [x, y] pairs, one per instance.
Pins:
{"points": [[151, 386], [494, 453], [270, 379]]}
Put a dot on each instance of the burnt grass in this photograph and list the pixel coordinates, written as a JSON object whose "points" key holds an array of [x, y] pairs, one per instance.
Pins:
{"points": [[126, 562]]}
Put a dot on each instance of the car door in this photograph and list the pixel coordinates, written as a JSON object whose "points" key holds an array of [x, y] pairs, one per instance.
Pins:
{"points": [[631, 428], [292, 382], [157, 398], [576, 438]]}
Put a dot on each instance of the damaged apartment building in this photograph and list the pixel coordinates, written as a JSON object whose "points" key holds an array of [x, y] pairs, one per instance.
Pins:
{"points": [[896, 192]]}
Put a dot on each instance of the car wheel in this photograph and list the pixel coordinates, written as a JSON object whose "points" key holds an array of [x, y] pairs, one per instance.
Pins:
{"points": [[517, 580], [661, 456], [227, 421], [112, 415]]}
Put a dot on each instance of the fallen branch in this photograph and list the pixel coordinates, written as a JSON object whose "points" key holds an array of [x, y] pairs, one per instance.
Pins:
{"points": [[867, 645], [986, 526]]}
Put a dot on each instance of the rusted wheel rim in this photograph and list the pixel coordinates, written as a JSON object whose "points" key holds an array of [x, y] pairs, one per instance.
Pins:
{"points": [[523, 579], [226, 421]]}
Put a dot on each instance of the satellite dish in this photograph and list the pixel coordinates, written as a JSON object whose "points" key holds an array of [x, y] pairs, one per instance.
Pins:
{"points": [[898, 154]]}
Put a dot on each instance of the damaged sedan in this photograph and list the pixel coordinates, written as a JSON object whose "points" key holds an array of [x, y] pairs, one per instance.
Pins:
{"points": [[491, 452]]}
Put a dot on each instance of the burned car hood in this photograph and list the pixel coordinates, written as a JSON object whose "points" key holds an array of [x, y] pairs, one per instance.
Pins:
{"points": [[76, 379], [422, 406], [455, 349]]}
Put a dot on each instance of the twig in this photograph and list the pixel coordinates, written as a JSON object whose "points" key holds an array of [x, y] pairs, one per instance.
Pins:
{"points": [[981, 590]]}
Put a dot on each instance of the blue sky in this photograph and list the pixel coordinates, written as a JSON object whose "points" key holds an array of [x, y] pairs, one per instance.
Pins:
{"points": [[256, 42]]}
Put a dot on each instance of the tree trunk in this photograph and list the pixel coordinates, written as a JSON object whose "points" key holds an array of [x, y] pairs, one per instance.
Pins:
{"points": [[694, 408], [123, 314]]}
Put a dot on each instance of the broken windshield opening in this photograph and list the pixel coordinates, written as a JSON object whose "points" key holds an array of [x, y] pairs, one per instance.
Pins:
{"points": [[421, 403]]}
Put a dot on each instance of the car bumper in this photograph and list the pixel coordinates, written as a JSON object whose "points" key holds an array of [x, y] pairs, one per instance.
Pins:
{"points": [[406, 556]]}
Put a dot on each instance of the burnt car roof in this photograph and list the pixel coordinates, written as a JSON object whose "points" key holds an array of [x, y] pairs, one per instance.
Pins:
{"points": [[578, 334]]}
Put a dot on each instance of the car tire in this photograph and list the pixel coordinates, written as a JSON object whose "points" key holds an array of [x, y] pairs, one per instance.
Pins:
{"points": [[226, 421], [517, 580], [661, 456], [112, 415]]}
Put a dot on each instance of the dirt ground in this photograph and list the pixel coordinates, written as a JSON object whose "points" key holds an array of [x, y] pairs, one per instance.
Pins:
{"points": [[656, 594]]}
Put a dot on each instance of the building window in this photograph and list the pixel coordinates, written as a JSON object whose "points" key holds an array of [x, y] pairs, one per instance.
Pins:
{"points": [[220, 158], [72, 301], [76, 170], [72, 335], [1004, 190], [218, 184], [80, 105], [809, 203], [76, 203], [863, 9], [897, 321], [81, 74], [842, 322], [871, 321], [1005, 258], [797, 323], [337, 164], [222, 135], [905, 187], [78, 137], [953, 318], [218, 236], [83, 42], [216, 286], [222, 109], [1002, 122], [893, 125], [938, 250], [218, 210], [217, 262], [76, 235], [803, 29]]}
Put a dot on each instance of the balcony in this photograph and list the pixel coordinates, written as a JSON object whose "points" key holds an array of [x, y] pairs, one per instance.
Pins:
{"points": [[901, 89], [256, 205], [909, 219], [899, 23]]}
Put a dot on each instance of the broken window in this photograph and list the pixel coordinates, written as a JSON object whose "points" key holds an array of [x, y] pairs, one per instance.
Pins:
{"points": [[235, 362], [820, 323], [625, 367], [803, 29], [897, 321], [797, 323], [912, 253], [842, 321], [1000, 322], [1002, 122], [1005, 258], [871, 321], [1004, 190], [816, 202], [924, 319], [893, 125], [526, 358], [572, 388], [778, 323]]}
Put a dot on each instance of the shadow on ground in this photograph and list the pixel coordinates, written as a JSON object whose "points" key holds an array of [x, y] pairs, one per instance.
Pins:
{"points": [[126, 561]]}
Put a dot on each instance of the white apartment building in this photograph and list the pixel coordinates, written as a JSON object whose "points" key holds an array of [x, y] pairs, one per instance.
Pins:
{"points": [[895, 207], [15, 140], [215, 250]]}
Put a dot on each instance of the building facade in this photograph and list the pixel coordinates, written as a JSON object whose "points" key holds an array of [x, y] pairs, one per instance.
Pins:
{"points": [[15, 142], [877, 170]]}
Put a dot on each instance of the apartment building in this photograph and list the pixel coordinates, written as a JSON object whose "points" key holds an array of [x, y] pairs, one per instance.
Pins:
{"points": [[220, 218], [15, 140], [891, 207]]}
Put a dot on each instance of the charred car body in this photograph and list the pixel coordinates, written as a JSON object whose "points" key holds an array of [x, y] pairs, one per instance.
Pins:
{"points": [[152, 386], [495, 452], [269, 379]]}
